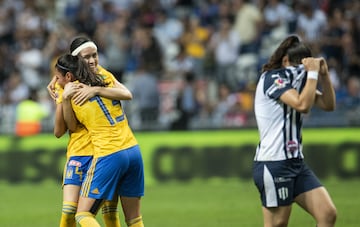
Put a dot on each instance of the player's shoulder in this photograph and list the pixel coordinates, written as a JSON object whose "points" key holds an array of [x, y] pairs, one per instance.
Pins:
{"points": [[103, 71], [106, 75]]}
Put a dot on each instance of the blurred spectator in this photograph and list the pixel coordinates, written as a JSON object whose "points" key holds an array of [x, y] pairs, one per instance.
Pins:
{"points": [[332, 41], [145, 51], [194, 39], [180, 65], [351, 101], [225, 9], [108, 12], [351, 93], [29, 113], [113, 40], [248, 24], [29, 61], [169, 39], [311, 22], [14, 89], [85, 20], [208, 12], [351, 46], [186, 104], [277, 15], [144, 86], [7, 24], [224, 45], [226, 101], [167, 29]]}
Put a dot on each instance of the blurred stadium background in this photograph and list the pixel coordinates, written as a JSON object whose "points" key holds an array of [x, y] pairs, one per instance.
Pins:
{"points": [[192, 66]]}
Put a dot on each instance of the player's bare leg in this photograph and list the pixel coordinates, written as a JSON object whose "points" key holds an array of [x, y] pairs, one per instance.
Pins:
{"points": [[87, 209], [70, 202], [276, 216], [318, 203], [131, 209]]}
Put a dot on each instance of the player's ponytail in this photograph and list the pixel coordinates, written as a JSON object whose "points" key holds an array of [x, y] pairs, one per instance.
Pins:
{"points": [[275, 61]]}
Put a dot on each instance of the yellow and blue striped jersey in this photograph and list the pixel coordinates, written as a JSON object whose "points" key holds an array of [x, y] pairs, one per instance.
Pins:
{"points": [[107, 125], [80, 141]]}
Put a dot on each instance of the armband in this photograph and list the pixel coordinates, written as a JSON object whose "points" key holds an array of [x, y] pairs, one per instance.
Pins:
{"points": [[312, 75]]}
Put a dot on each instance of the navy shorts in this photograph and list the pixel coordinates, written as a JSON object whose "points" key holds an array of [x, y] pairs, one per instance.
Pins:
{"points": [[279, 182]]}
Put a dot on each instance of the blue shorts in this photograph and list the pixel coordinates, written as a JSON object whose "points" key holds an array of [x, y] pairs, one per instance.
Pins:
{"points": [[279, 182], [75, 169], [120, 173]]}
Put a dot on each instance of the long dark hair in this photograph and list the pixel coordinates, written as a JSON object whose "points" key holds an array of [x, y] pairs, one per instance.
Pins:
{"points": [[290, 46], [298, 52], [80, 69]]}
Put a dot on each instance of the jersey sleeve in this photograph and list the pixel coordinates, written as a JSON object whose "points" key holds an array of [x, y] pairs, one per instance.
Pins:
{"points": [[276, 83]]}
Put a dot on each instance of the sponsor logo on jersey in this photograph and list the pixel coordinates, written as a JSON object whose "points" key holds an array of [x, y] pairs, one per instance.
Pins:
{"points": [[75, 163], [281, 179]]}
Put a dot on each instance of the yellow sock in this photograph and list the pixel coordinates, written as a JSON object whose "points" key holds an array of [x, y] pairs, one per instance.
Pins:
{"points": [[68, 214], [110, 214], [86, 219], [136, 222]]}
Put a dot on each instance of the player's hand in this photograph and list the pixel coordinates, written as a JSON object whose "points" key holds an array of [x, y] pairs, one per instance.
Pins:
{"points": [[69, 90], [51, 88], [83, 94], [311, 64], [324, 70]]}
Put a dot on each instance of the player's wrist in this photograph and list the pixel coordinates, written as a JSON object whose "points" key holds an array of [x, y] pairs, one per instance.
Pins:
{"points": [[313, 75]]}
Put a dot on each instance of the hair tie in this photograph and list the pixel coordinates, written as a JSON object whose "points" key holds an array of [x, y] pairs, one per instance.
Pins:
{"points": [[62, 67]]}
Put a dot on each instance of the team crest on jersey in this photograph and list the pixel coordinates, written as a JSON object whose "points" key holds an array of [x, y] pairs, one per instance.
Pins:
{"points": [[283, 193], [74, 163], [292, 146], [279, 82], [69, 173]]}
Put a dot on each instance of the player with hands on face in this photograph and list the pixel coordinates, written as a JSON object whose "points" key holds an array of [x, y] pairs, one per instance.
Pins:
{"points": [[288, 88]]}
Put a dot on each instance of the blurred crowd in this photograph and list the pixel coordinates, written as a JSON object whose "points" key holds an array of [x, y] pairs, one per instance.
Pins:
{"points": [[191, 64]]}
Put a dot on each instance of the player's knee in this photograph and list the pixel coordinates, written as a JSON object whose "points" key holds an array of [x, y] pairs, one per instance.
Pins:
{"points": [[280, 223], [96, 206], [330, 215]]}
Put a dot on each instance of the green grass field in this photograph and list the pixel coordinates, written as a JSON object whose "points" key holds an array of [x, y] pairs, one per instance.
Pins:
{"points": [[226, 202], [211, 203]]}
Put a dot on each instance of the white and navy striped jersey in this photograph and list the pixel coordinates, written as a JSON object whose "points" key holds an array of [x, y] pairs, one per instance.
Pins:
{"points": [[279, 125]]}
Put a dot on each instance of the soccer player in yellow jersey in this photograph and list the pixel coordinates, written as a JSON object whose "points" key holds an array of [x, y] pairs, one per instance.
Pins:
{"points": [[80, 149], [117, 167]]}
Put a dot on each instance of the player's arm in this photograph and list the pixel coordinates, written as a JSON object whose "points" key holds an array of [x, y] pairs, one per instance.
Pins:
{"points": [[60, 127], [302, 102], [68, 113], [118, 92], [326, 98], [51, 88]]}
